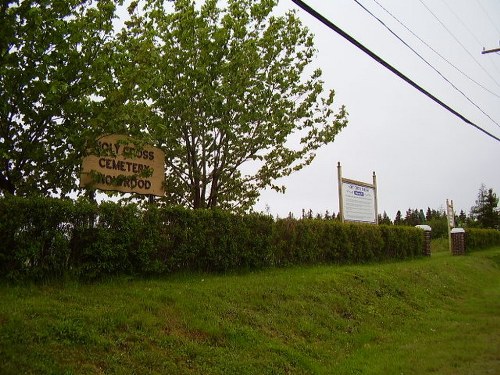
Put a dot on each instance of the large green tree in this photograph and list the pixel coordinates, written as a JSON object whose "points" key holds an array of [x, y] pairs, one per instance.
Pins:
{"points": [[230, 96], [54, 55], [485, 213]]}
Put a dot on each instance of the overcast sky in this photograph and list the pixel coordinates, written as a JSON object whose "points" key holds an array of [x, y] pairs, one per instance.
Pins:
{"points": [[421, 153]]}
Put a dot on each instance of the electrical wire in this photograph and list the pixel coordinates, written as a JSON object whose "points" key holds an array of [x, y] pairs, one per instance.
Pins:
{"points": [[426, 62], [470, 32], [353, 41], [487, 15], [459, 42], [436, 52], [493, 62], [462, 22]]}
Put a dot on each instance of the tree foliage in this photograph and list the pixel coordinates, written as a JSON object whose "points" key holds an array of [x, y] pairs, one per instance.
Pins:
{"points": [[414, 217], [485, 213], [384, 219], [398, 219], [53, 54], [228, 94]]}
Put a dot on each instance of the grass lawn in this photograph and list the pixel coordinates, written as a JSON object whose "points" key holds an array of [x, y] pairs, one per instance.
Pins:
{"points": [[438, 315]]}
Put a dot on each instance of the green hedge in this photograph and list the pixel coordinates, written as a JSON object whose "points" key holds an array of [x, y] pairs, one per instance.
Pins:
{"points": [[50, 238], [310, 241], [477, 239], [35, 236]]}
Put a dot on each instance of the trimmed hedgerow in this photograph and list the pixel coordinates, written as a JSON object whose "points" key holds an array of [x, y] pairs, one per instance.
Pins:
{"points": [[401, 242], [309, 241], [35, 237], [211, 240], [477, 239], [49, 238]]}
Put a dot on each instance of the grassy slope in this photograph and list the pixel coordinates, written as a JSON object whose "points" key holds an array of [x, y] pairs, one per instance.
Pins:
{"points": [[439, 315]]}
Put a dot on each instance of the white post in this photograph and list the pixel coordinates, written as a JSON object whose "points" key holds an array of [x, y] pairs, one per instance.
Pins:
{"points": [[341, 198], [376, 196], [450, 218]]}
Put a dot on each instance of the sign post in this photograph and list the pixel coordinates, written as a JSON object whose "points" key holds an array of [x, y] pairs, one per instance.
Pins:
{"points": [[450, 215], [357, 200], [341, 198]]}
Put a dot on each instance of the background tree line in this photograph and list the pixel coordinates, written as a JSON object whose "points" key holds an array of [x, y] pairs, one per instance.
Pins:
{"points": [[484, 214]]}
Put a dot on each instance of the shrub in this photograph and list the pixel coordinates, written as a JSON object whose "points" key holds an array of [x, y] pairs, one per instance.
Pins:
{"points": [[312, 241], [110, 244], [439, 227], [477, 239], [35, 237], [46, 238]]}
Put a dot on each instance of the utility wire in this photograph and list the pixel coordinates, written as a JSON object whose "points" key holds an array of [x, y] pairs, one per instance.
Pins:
{"points": [[463, 23], [426, 62], [342, 33], [487, 15], [481, 45], [436, 52], [459, 42]]}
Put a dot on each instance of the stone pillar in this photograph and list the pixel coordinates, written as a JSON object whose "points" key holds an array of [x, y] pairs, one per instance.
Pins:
{"points": [[458, 241], [427, 239]]}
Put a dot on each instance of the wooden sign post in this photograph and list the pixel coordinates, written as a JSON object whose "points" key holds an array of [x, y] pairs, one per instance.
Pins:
{"points": [[450, 215]]}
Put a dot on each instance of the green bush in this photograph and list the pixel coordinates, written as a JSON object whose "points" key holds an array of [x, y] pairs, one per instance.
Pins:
{"points": [[439, 227], [48, 238], [312, 241], [35, 237], [477, 239], [402, 241], [111, 244]]}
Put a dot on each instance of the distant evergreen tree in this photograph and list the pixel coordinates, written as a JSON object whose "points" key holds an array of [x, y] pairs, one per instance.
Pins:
{"points": [[307, 214], [384, 219], [421, 217], [428, 214], [407, 220], [414, 217], [398, 220], [461, 219], [329, 216], [434, 214], [485, 212]]}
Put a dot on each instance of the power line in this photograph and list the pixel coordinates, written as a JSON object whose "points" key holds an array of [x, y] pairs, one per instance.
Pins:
{"points": [[481, 45], [459, 42], [425, 61], [436, 52], [487, 15], [462, 22], [353, 41]]}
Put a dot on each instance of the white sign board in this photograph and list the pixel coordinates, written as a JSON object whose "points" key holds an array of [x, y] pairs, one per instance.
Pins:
{"points": [[359, 202]]}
